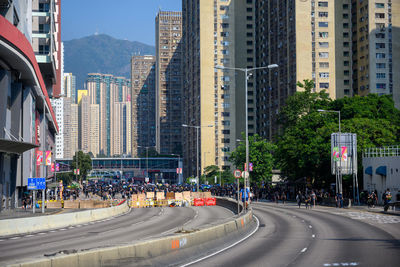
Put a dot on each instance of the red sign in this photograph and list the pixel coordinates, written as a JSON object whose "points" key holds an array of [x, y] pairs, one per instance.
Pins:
{"points": [[52, 166], [179, 170], [237, 174], [39, 157]]}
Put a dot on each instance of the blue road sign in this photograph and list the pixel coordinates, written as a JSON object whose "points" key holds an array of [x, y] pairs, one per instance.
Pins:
{"points": [[36, 183]]}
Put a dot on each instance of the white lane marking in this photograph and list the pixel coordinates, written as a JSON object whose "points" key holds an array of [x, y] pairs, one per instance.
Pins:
{"points": [[310, 226], [187, 222], [78, 225], [313, 236], [197, 214], [169, 231], [41, 233], [52, 231], [13, 238], [62, 229], [228, 247], [303, 250], [71, 227], [85, 224], [29, 235], [1, 240], [341, 264], [302, 220]]}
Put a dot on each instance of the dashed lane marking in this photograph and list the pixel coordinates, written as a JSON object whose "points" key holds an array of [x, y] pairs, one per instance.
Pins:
{"points": [[41, 233], [52, 231], [341, 264], [62, 229], [303, 250], [1, 240], [313, 236], [228, 247], [29, 235], [13, 238], [310, 226]]}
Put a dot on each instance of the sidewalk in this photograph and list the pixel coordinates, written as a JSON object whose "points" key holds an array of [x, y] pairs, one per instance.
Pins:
{"points": [[21, 213]]}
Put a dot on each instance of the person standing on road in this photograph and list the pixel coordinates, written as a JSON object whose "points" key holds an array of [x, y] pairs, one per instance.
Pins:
{"points": [[298, 198], [313, 197]]}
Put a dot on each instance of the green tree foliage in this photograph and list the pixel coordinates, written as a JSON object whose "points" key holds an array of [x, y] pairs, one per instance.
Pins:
{"points": [[304, 147], [211, 171], [260, 154], [84, 164]]}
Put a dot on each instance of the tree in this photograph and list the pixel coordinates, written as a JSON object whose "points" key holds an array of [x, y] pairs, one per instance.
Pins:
{"points": [[84, 164], [304, 147], [260, 155]]}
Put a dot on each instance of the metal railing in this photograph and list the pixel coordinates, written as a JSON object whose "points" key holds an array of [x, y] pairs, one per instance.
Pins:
{"points": [[388, 151]]}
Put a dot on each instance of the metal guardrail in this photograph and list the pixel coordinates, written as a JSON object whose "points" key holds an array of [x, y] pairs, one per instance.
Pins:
{"points": [[388, 151]]}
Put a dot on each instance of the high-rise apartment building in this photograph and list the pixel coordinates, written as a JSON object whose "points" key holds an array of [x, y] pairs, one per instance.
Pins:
{"points": [[376, 49], [71, 127], [143, 103], [105, 90], [58, 107], [84, 122], [169, 82], [216, 33], [308, 40], [70, 86], [122, 128], [94, 129], [347, 47]]}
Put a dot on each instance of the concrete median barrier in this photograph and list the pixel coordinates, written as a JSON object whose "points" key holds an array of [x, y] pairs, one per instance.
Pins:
{"points": [[40, 223], [147, 249]]}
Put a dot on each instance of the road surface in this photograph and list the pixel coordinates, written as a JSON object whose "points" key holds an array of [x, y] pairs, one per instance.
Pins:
{"points": [[136, 225]]}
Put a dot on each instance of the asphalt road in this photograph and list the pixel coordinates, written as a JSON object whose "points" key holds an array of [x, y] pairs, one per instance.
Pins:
{"points": [[289, 236], [137, 225]]}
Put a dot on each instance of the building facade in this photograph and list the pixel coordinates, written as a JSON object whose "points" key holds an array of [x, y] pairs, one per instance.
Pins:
{"points": [[70, 86], [169, 82], [143, 103], [27, 120], [71, 127], [376, 48], [216, 33]]}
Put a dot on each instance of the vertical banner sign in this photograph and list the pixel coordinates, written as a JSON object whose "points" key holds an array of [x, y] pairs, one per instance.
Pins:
{"points": [[335, 154], [52, 166], [250, 166], [48, 158], [245, 167], [344, 153], [39, 157], [57, 167]]}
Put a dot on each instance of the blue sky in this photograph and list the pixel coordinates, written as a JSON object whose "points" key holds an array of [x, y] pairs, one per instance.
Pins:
{"points": [[123, 19]]}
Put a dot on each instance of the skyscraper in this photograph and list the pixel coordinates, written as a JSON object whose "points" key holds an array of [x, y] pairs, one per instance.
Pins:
{"points": [[84, 122], [105, 90], [376, 47], [169, 82], [70, 86], [216, 33], [71, 127], [143, 103], [345, 47]]}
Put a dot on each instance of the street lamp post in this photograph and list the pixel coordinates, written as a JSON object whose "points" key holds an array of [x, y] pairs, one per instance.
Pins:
{"points": [[147, 159], [197, 149], [179, 167], [246, 73], [339, 188]]}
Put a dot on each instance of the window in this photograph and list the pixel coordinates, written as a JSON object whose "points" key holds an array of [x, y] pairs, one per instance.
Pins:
{"points": [[324, 74], [380, 45], [322, 4], [381, 75], [346, 63], [346, 82], [323, 34], [379, 15], [324, 65], [346, 53], [381, 86], [226, 123], [380, 65], [379, 5], [346, 73], [226, 131], [324, 44], [225, 114], [345, 16], [323, 24], [224, 34], [345, 35], [346, 91], [226, 8], [323, 14], [345, 6], [225, 52], [345, 25], [225, 140], [323, 54], [380, 55], [324, 85], [380, 35]]}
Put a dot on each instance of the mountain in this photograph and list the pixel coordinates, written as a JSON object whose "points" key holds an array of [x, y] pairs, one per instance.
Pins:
{"points": [[101, 54]]}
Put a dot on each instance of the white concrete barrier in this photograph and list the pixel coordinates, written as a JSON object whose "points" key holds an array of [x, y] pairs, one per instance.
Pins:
{"points": [[40, 223]]}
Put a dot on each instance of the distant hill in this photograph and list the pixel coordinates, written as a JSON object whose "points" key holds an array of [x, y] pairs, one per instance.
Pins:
{"points": [[101, 54]]}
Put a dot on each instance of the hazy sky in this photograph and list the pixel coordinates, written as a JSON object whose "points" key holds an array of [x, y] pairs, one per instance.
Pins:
{"points": [[123, 19]]}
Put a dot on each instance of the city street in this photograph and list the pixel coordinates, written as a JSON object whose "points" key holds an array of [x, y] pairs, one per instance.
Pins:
{"points": [[137, 225], [289, 236]]}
